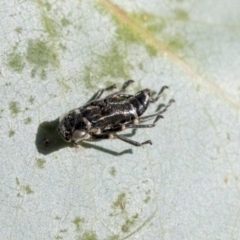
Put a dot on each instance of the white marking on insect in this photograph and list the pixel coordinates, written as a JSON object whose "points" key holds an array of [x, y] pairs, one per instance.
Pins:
{"points": [[77, 111], [136, 121], [110, 136]]}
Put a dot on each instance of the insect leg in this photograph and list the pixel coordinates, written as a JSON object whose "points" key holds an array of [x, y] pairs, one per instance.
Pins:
{"points": [[140, 126], [101, 91], [167, 106], [126, 84], [152, 100], [145, 125], [101, 136], [122, 138], [120, 94], [134, 143], [146, 118]]}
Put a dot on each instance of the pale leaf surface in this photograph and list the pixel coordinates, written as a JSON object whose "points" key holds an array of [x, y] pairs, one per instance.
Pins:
{"points": [[55, 55]]}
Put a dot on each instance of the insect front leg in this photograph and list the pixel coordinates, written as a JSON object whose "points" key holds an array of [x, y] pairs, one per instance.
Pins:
{"points": [[146, 118], [152, 100]]}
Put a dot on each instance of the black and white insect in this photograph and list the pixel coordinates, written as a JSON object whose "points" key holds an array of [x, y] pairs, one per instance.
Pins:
{"points": [[103, 118]]}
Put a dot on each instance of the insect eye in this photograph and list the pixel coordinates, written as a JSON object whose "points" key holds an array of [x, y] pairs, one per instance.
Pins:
{"points": [[78, 135]]}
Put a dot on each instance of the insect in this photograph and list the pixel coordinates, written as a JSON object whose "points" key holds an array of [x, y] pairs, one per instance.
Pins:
{"points": [[103, 118]]}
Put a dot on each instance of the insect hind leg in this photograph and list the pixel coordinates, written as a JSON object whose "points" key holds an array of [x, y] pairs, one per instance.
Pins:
{"points": [[132, 142], [152, 100], [122, 138]]}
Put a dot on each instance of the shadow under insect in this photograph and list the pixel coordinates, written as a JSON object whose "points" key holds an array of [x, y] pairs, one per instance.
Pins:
{"points": [[48, 140]]}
